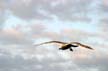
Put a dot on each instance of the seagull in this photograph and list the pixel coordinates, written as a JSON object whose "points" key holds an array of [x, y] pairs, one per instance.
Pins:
{"points": [[65, 45]]}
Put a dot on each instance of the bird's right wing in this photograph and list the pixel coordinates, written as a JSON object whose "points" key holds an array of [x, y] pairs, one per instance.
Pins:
{"points": [[59, 42], [82, 45], [85, 46]]}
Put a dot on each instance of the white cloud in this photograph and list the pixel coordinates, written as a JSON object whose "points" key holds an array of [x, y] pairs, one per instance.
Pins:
{"points": [[35, 20]]}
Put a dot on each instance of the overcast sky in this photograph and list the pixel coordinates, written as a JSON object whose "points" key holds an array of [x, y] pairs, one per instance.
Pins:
{"points": [[24, 23]]}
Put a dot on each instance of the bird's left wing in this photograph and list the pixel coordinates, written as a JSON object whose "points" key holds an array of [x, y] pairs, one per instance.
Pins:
{"points": [[82, 45], [51, 42]]}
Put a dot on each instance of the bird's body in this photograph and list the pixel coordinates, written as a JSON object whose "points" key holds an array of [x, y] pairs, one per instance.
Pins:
{"points": [[65, 46]]}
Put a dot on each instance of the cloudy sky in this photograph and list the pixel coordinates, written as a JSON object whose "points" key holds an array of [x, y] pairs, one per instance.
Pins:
{"points": [[24, 23]]}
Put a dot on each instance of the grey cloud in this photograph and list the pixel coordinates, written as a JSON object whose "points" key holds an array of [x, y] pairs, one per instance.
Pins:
{"points": [[22, 10], [103, 24], [19, 63], [38, 28], [99, 62], [56, 62], [71, 10], [17, 35], [13, 37], [28, 11], [103, 8], [3, 7]]}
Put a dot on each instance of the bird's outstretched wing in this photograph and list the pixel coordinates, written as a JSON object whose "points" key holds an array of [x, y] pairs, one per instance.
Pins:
{"points": [[51, 42], [82, 45]]}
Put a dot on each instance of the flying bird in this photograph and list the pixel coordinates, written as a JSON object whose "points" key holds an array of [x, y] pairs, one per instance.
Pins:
{"points": [[65, 45]]}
